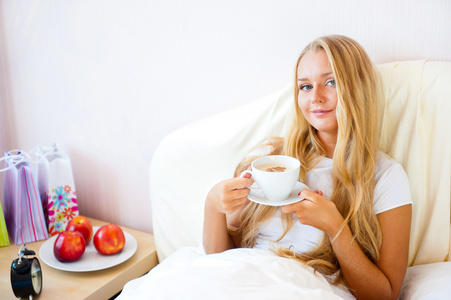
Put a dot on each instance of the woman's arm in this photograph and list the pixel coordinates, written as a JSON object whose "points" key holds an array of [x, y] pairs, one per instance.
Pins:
{"points": [[226, 198], [384, 279], [365, 279]]}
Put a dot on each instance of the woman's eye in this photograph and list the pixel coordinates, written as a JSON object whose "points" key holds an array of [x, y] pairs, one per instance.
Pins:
{"points": [[305, 87], [331, 82]]}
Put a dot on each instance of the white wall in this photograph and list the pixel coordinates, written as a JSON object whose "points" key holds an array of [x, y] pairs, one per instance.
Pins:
{"points": [[108, 79]]}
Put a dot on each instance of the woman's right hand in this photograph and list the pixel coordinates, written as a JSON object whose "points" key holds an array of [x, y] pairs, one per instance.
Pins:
{"points": [[223, 204], [229, 195]]}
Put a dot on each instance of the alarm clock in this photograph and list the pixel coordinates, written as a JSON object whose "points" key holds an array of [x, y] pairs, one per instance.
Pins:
{"points": [[26, 274]]}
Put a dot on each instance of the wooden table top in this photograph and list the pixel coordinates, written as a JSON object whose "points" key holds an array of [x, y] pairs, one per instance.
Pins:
{"points": [[101, 284]]}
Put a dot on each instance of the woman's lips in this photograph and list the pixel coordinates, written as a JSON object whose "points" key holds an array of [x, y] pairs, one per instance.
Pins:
{"points": [[320, 112]]}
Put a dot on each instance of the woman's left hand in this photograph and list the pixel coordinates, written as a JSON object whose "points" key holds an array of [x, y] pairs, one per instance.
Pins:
{"points": [[317, 211]]}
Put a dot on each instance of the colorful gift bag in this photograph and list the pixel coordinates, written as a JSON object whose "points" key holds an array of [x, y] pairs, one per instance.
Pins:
{"points": [[24, 215], [56, 184], [4, 239]]}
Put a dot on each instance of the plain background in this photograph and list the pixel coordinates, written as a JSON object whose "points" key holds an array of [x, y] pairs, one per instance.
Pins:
{"points": [[108, 79]]}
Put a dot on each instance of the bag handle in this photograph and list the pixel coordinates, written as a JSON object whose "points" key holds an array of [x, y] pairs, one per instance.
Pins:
{"points": [[20, 155], [15, 158], [40, 156], [43, 153]]}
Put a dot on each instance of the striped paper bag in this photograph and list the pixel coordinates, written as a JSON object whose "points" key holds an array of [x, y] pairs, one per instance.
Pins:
{"points": [[24, 215]]}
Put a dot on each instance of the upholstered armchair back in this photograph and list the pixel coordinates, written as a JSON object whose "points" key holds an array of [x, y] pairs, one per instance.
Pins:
{"points": [[416, 131]]}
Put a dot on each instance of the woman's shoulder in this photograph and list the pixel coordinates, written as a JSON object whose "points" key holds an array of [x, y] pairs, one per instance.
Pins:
{"points": [[392, 185], [387, 164]]}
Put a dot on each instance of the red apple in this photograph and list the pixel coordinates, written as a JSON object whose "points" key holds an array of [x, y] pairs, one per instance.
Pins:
{"points": [[82, 225], [109, 239], [69, 246]]}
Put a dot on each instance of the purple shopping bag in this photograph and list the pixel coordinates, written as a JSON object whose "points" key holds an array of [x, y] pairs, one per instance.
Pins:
{"points": [[23, 210]]}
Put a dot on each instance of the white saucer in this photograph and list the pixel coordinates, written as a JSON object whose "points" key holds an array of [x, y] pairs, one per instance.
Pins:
{"points": [[91, 259], [257, 196]]}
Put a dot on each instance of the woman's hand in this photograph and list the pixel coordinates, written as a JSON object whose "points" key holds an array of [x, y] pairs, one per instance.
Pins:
{"points": [[316, 211], [223, 205], [229, 195]]}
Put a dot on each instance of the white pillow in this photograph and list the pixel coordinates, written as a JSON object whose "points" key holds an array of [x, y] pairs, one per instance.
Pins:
{"points": [[430, 281]]}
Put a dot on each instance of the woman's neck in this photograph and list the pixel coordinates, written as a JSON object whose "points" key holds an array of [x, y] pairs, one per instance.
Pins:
{"points": [[329, 141]]}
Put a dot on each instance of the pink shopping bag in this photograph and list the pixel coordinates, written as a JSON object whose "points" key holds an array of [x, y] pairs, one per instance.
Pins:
{"points": [[24, 215]]}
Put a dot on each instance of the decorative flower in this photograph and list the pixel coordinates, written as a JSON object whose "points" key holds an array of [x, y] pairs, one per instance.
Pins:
{"points": [[59, 217], [68, 213], [67, 188], [59, 227], [51, 212], [60, 197], [52, 231]]}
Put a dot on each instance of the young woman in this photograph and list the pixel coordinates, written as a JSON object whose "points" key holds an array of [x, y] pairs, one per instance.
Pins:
{"points": [[354, 224]]}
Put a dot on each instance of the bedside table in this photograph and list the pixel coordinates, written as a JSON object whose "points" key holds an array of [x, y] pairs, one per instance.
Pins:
{"points": [[102, 284]]}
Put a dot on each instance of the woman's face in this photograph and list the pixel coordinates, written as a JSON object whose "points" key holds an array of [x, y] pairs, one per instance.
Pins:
{"points": [[317, 96]]}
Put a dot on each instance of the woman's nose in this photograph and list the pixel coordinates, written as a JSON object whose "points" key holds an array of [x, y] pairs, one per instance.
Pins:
{"points": [[317, 96]]}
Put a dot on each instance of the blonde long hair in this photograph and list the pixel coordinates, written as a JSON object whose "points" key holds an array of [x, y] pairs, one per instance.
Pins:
{"points": [[354, 158]]}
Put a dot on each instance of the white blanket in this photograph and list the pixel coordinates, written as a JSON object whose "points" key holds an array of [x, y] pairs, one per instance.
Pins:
{"points": [[233, 274]]}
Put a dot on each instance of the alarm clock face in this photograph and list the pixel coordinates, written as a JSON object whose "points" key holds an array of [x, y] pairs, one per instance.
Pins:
{"points": [[36, 276]]}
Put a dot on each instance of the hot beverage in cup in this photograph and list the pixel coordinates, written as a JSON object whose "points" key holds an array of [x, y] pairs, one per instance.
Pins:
{"points": [[273, 167], [275, 175]]}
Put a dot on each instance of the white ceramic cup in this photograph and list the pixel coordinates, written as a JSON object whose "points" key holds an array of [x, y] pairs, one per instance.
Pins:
{"points": [[276, 186]]}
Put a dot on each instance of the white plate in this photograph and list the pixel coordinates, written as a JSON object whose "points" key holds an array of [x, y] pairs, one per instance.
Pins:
{"points": [[256, 195], [91, 259]]}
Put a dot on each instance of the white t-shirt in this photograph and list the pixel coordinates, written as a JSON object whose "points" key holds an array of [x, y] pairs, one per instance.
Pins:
{"points": [[391, 191]]}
